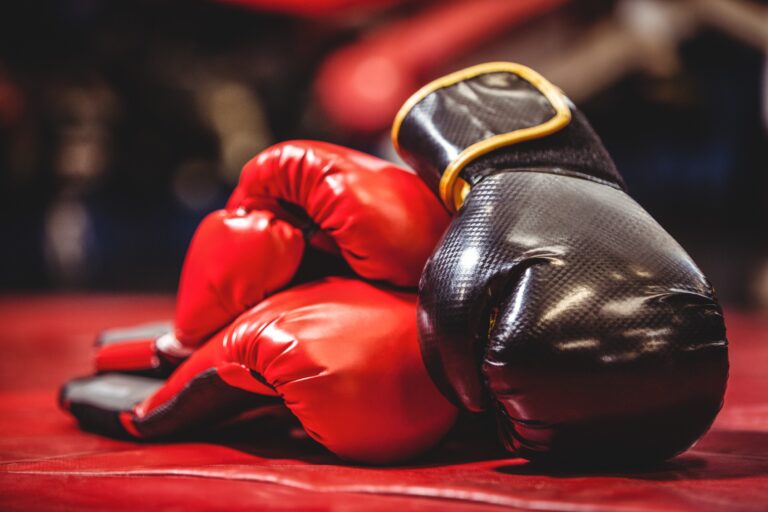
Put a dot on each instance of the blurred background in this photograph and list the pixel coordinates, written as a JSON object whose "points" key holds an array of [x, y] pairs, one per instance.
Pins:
{"points": [[123, 123]]}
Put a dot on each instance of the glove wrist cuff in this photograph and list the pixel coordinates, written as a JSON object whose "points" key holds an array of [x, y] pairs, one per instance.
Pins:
{"points": [[496, 116]]}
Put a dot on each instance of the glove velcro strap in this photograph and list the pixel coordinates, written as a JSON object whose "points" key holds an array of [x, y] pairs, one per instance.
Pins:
{"points": [[149, 349], [130, 356]]}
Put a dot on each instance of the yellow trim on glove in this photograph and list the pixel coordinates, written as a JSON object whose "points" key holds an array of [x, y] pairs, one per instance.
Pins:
{"points": [[453, 190]]}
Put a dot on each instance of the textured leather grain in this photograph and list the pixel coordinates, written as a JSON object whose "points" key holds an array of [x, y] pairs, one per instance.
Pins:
{"points": [[563, 305], [449, 120], [554, 298]]}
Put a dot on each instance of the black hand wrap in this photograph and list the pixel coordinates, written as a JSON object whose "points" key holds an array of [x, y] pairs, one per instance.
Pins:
{"points": [[554, 298]]}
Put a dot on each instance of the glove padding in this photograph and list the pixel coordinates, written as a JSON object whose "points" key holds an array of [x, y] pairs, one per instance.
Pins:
{"points": [[554, 298], [378, 217], [341, 354]]}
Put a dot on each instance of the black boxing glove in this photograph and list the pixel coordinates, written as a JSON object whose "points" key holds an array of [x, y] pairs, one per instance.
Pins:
{"points": [[554, 298]]}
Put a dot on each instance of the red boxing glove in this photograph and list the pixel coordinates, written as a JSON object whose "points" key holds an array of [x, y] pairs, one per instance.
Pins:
{"points": [[380, 218], [341, 353]]}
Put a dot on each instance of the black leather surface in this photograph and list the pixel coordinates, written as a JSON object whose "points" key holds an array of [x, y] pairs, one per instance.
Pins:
{"points": [[449, 120], [206, 401], [554, 298], [97, 401], [561, 303], [203, 403]]}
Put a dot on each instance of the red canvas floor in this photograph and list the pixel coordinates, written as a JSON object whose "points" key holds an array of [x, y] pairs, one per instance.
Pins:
{"points": [[46, 463]]}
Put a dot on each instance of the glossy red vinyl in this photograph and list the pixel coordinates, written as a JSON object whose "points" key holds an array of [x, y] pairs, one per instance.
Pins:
{"points": [[343, 355], [336, 199], [365, 205]]}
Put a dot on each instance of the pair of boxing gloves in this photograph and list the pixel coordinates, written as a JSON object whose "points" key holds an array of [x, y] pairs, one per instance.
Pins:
{"points": [[551, 298]]}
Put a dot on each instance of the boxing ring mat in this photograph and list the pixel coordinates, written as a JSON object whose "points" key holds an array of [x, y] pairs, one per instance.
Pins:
{"points": [[48, 464]]}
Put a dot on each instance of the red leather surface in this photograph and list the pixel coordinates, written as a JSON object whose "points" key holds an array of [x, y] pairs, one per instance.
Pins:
{"points": [[341, 353], [48, 464], [366, 206], [256, 252]]}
